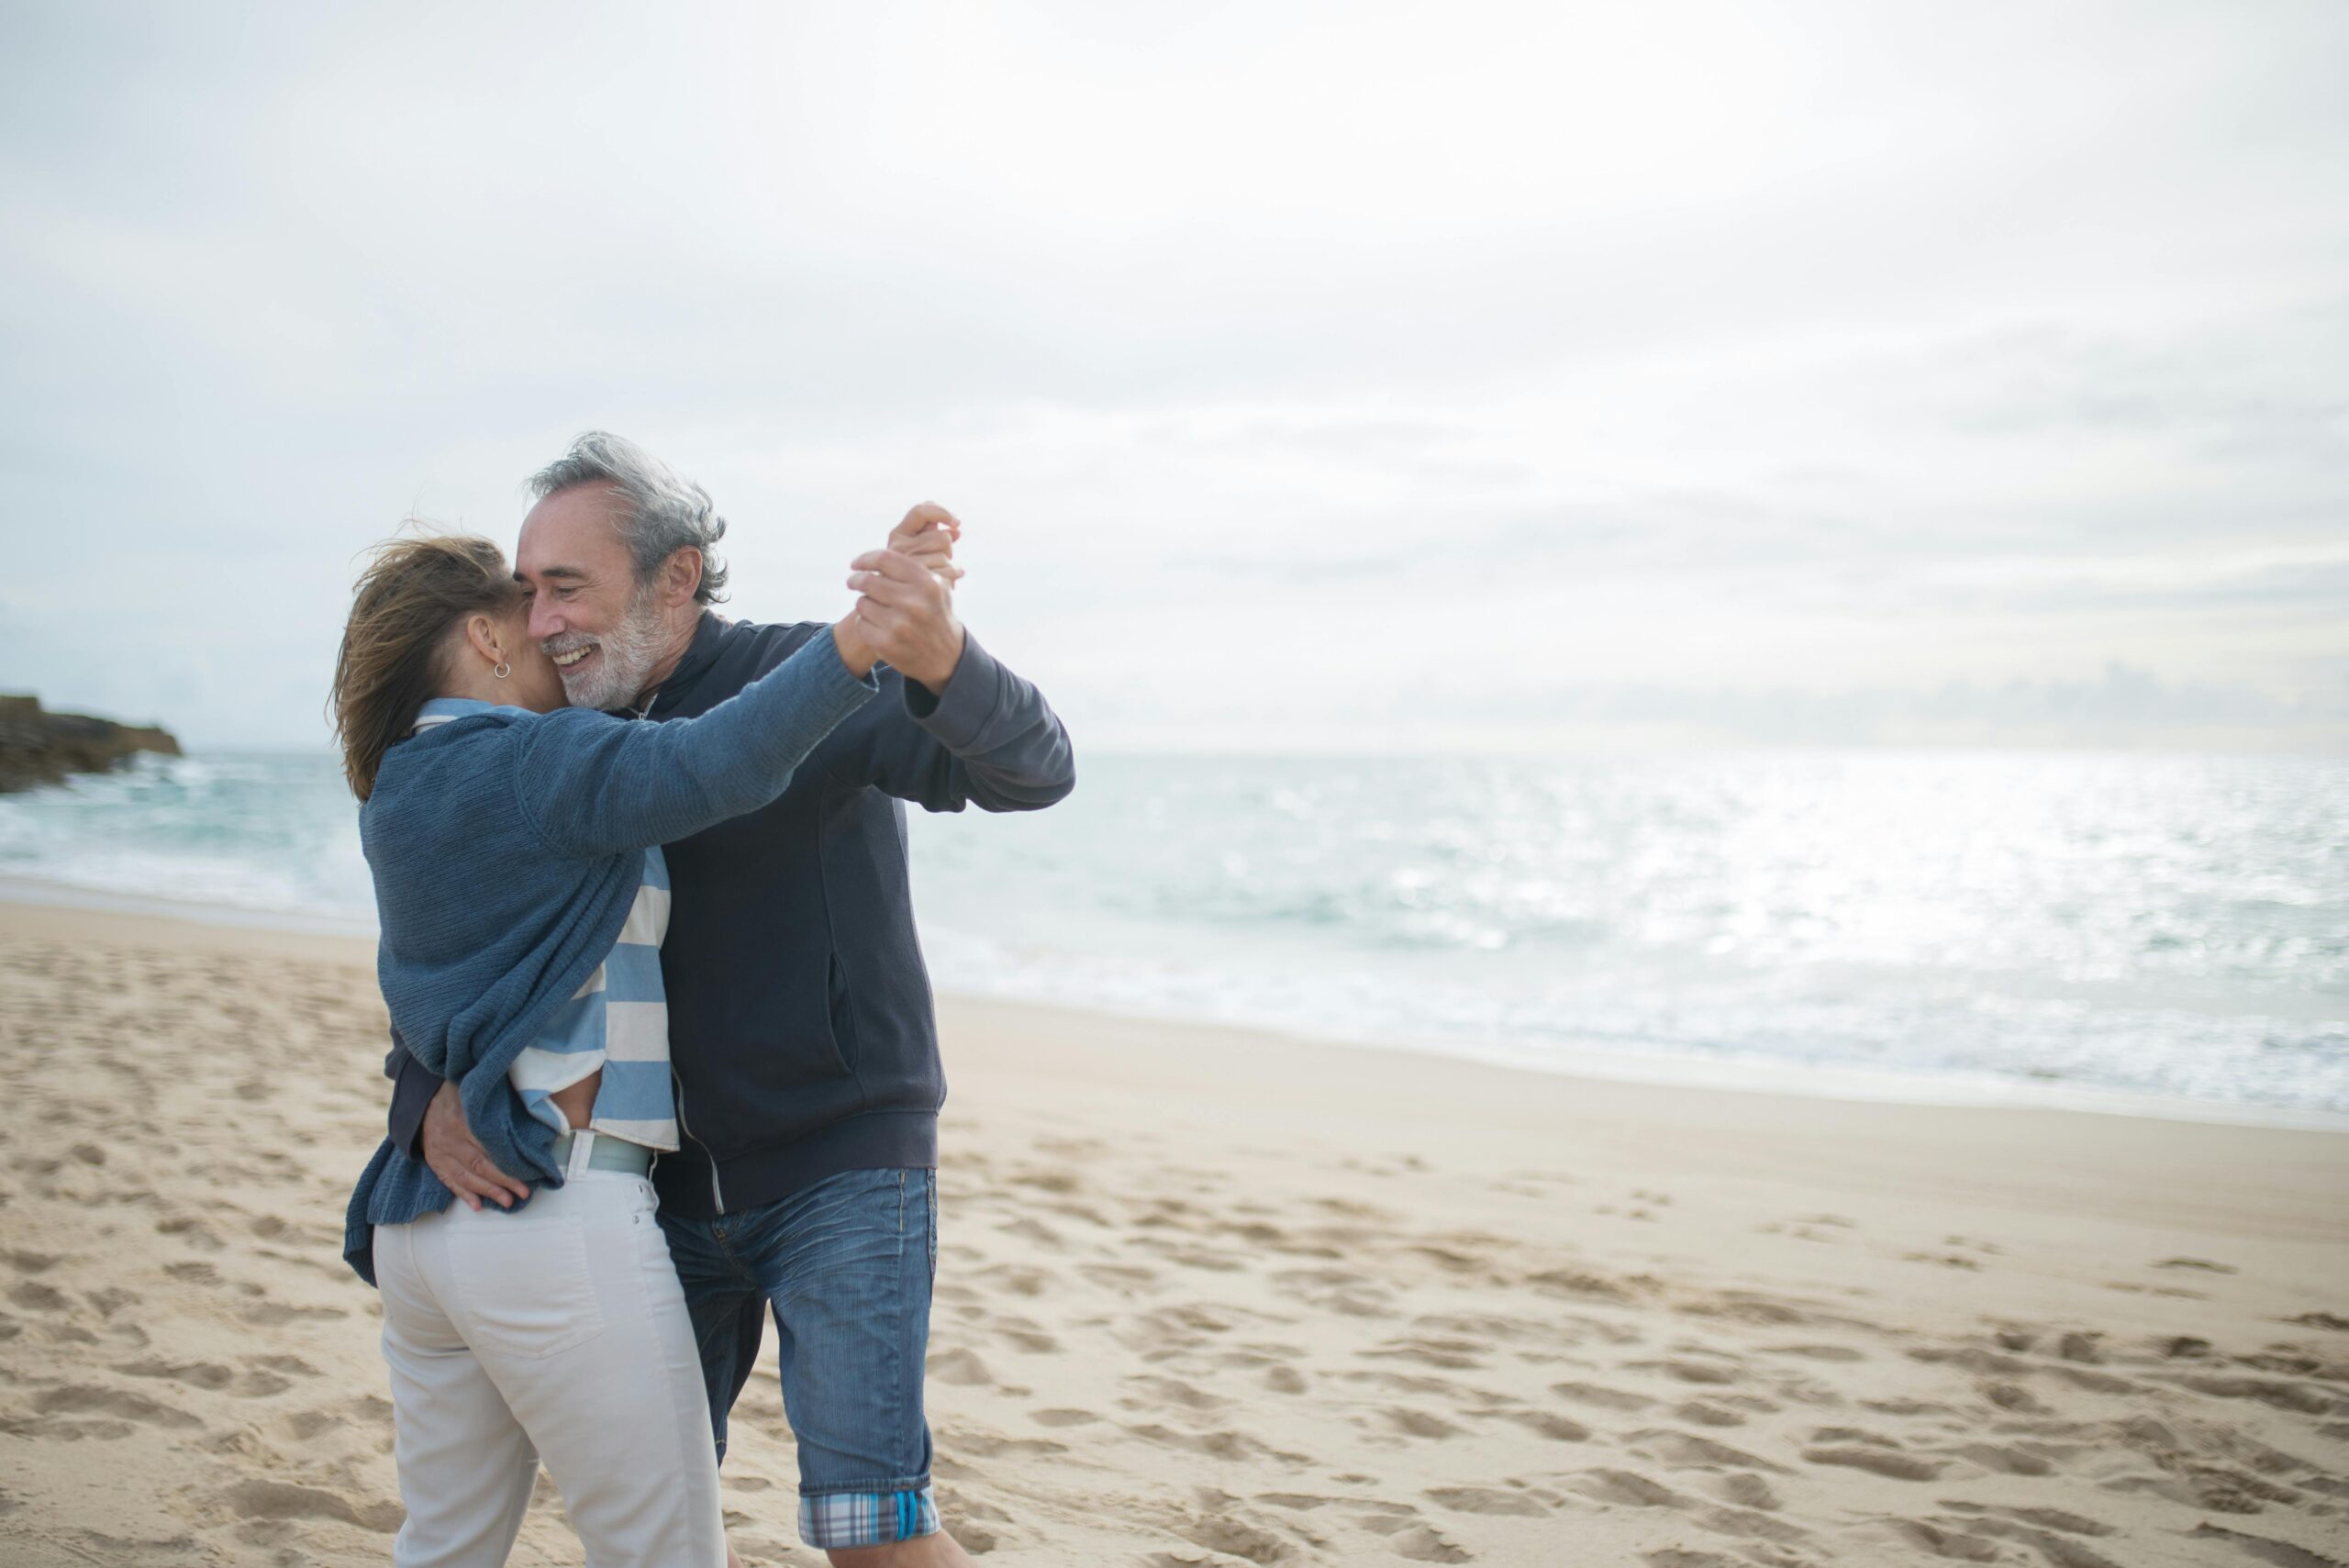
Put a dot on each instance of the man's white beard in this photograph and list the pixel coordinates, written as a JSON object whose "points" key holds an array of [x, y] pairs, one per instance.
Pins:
{"points": [[627, 655]]}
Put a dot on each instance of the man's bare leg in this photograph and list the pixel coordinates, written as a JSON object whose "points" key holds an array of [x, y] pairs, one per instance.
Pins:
{"points": [[935, 1550]]}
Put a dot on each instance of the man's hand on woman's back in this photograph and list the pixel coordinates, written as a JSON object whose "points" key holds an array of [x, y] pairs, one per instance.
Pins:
{"points": [[461, 1163]]}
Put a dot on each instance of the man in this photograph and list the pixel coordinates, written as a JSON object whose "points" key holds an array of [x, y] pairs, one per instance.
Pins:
{"points": [[800, 1025]]}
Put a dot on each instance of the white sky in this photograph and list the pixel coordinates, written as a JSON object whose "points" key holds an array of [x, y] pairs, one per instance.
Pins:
{"points": [[1337, 377]]}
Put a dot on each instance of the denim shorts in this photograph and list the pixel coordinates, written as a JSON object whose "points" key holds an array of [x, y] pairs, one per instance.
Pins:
{"points": [[845, 1267]]}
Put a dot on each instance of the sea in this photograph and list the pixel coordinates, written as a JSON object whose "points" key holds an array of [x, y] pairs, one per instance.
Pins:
{"points": [[2157, 934]]}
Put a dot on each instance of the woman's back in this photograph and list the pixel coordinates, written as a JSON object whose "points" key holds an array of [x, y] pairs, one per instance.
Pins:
{"points": [[483, 922]]}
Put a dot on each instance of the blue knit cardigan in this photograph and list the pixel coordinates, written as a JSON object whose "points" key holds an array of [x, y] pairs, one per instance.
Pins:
{"points": [[507, 847]]}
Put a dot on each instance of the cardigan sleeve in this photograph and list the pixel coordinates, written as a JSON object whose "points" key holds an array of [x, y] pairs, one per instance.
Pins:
{"points": [[593, 785]]}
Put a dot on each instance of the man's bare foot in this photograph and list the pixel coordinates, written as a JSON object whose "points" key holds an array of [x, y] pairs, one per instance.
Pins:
{"points": [[937, 1551]]}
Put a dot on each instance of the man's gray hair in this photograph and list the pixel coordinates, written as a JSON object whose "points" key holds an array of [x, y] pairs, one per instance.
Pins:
{"points": [[666, 512]]}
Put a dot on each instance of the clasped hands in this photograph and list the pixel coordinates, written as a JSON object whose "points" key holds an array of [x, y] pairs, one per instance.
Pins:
{"points": [[904, 615]]}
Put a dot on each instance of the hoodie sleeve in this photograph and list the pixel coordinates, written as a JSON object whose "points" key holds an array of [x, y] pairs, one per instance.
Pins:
{"points": [[989, 740]]}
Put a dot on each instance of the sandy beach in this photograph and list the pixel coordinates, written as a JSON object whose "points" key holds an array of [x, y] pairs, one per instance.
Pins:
{"points": [[1209, 1297]]}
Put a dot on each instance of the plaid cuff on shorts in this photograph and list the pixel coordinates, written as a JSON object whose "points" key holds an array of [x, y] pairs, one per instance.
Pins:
{"points": [[838, 1521]]}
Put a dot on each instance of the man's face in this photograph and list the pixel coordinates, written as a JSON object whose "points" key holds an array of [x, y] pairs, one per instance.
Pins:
{"points": [[586, 610]]}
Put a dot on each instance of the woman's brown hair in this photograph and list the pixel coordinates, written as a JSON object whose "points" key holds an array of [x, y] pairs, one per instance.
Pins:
{"points": [[395, 645]]}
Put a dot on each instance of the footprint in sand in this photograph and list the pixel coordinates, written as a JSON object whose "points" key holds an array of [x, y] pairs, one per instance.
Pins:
{"points": [[110, 1301], [1817, 1353], [1689, 1370], [285, 1500], [1941, 1539], [1236, 1538], [1195, 1257], [1284, 1380], [304, 1425], [87, 1399], [1420, 1423], [1541, 1423], [2261, 1549], [2050, 1518], [1408, 1536], [1173, 1390], [1024, 1334], [2299, 1398], [1606, 1398], [1016, 1279], [1457, 1356], [1421, 1544], [1686, 1451], [1624, 1486], [192, 1232], [273, 1313], [196, 1374], [1745, 1491], [1229, 1445], [1486, 1500], [1124, 1278], [1032, 1229], [1062, 1418], [64, 1430], [1879, 1461], [973, 1444], [961, 1368], [1705, 1413]]}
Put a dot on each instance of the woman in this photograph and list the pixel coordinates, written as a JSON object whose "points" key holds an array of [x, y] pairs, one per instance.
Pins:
{"points": [[521, 897]]}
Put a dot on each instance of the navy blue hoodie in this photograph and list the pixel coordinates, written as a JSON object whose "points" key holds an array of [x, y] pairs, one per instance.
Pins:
{"points": [[800, 1023]]}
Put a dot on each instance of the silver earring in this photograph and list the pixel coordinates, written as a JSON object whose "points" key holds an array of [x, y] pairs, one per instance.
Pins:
{"points": [[502, 670]]}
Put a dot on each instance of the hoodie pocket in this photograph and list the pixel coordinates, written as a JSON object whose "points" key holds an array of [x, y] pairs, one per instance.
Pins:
{"points": [[840, 1016]]}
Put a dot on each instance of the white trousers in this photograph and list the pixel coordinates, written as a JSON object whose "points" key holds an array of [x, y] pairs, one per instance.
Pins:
{"points": [[559, 1333]]}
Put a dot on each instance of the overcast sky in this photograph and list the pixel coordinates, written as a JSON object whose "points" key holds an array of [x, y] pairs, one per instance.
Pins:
{"points": [[1329, 376]]}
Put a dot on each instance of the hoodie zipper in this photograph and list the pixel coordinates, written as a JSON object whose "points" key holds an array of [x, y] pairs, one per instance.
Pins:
{"points": [[717, 1193]]}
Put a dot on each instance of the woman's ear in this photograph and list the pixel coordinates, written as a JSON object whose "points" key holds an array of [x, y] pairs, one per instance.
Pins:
{"points": [[487, 638]]}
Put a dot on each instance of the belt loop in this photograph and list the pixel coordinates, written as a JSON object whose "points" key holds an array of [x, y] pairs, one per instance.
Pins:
{"points": [[582, 1148]]}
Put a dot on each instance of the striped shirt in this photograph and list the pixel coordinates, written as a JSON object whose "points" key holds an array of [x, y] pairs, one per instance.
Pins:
{"points": [[617, 1023]]}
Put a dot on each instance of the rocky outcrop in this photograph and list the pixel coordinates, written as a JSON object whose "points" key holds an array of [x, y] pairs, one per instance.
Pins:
{"points": [[38, 747]]}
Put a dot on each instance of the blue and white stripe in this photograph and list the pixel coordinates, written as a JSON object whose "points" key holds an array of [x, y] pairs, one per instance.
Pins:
{"points": [[617, 1023]]}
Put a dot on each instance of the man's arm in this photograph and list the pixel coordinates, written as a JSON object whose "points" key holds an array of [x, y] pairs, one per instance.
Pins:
{"points": [[986, 739], [427, 1120], [413, 1086]]}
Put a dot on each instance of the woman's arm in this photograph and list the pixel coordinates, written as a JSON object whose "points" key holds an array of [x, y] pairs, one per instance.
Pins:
{"points": [[595, 785]]}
